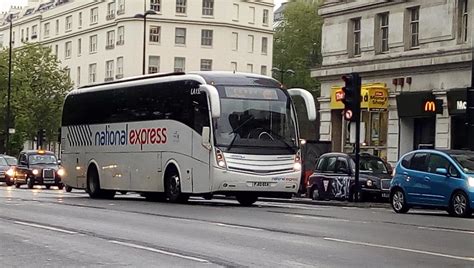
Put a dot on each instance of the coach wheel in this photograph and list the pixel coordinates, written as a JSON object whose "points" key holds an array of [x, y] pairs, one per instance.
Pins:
{"points": [[93, 186], [60, 186], [30, 182], [68, 188], [173, 188], [246, 199]]}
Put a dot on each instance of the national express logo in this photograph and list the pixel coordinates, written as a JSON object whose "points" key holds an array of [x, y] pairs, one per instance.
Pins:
{"points": [[84, 136]]}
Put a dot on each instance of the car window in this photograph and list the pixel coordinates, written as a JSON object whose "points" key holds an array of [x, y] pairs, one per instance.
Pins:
{"points": [[406, 161], [3, 162], [23, 158], [437, 161], [42, 159], [342, 167], [372, 165], [326, 164], [418, 162], [453, 172]]}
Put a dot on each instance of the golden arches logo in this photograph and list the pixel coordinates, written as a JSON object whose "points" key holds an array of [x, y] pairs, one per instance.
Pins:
{"points": [[430, 106]]}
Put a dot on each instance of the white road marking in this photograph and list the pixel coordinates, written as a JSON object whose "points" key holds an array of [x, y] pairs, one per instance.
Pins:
{"points": [[238, 227], [45, 227], [446, 230], [319, 218], [400, 249], [159, 251]]}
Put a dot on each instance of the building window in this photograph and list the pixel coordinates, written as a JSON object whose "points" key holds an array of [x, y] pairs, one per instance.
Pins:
{"points": [[80, 20], [56, 49], [94, 15], [109, 70], [153, 64], [382, 21], [252, 15], [264, 45], [57, 27], [22, 35], [179, 64], [67, 49], [111, 11], [206, 38], [235, 41], [180, 36], [155, 33], [120, 35], [79, 47], [34, 31], [250, 68], [414, 26], [78, 76], [155, 5], [92, 72], [233, 66], [208, 7], [119, 68], [265, 17], [68, 23], [121, 7], [250, 42], [46, 29], [181, 6], [355, 23], [206, 65], [263, 70], [93, 44], [463, 21], [110, 40], [235, 16]]}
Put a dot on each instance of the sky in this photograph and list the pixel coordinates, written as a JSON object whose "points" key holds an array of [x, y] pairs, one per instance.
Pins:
{"points": [[5, 4]]}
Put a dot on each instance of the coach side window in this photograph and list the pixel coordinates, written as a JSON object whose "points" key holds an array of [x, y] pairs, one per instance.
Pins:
{"points": [[200, 112]]}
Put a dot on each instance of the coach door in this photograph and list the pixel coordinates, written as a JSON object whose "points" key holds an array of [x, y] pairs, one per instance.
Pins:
{"points": [[200, 154]]}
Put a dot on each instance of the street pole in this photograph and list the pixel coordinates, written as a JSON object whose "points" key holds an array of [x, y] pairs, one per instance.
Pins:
{"points": [[7, 119], [144, 43], [358, 83]]}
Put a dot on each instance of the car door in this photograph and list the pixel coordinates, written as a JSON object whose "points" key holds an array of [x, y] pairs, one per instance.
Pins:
{"points": [[22, 168], [327, 176], [343, 178], [416, 175], [436, 185]]}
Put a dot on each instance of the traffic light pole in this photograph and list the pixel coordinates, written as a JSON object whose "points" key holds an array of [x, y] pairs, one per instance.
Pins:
{"points": [[470, 107], [357, 84]]}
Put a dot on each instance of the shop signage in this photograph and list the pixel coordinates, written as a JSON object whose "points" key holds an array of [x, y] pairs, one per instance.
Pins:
{"points": [[457, 101], [418, 104], [373, 97]]}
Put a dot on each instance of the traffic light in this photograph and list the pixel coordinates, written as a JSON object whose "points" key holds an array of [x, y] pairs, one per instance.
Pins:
{"points": [[41, 137], [352, 97]]}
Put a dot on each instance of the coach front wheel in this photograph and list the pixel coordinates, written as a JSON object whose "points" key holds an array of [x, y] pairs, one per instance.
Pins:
{"points": [[173, 188]]}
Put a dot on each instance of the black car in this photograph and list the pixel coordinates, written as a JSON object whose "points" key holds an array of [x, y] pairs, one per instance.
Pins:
{"points": [[38, 167], [7, 169], [334, 177]]}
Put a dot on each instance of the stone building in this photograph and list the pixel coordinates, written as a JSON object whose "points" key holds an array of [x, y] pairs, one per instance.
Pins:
{"points": [[415, 61]]}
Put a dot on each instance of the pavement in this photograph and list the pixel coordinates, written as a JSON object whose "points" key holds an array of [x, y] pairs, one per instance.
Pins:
{"points": [[52, 228]]}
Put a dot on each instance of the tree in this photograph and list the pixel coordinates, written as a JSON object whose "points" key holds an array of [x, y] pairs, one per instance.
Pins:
{"points": [[297, 45], [39, 86]]}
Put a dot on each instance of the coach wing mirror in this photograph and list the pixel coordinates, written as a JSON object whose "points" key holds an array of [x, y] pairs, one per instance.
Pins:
{"points": [[213, 97], [308, 100], [206, 137]]}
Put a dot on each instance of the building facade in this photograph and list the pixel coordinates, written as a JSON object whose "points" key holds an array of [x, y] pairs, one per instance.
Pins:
{"points": [[103, 40], [415, 61]]}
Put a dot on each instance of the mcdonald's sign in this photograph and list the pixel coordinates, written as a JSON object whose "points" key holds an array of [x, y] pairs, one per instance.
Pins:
{"points": [[418, 104], [430, 106]]}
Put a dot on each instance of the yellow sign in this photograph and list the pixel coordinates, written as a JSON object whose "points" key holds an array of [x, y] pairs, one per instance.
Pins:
{"points": [[373, 97], [430, 106]]}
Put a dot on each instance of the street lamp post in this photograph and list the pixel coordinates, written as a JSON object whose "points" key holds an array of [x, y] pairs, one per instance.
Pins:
{"points": [[282, 72], [149, 12], [7, 117]]}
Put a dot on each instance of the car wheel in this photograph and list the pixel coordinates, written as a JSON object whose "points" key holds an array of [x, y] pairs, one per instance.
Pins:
{"points": [[68, 188], [398, 201], [246, 199], [60, 186], [352, 196], [459, 205], [17, 185], [48, 187], [9, 183], [30, 182], [315, 194], [173, 188]]}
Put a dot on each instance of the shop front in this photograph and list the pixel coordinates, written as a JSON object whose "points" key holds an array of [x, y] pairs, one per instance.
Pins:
{"points": [[457, 111], [374, 120], [417, 113]]}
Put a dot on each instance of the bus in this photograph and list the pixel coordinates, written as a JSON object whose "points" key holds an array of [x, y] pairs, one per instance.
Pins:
{"points": [[176, 135]]}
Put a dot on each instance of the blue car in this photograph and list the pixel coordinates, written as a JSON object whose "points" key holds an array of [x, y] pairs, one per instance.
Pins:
{"points": [[435, 179]]}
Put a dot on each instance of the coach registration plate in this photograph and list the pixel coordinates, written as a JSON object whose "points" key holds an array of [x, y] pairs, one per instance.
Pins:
{"points": [[261, 184]]}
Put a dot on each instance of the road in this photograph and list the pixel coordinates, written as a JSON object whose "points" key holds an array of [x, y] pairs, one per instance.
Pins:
{"points": [[52, 228]]}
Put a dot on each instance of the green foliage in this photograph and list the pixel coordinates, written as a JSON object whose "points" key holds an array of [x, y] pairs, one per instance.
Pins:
{"points": [[297, 44], [39, 86]]}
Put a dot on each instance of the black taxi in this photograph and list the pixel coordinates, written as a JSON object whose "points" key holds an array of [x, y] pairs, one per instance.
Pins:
{"points": [[38, 167]]}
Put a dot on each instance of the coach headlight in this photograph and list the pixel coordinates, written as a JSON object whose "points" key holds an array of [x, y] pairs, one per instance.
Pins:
{"points": [[297, 163], [220, 159], [35, 172], [61, 172]]}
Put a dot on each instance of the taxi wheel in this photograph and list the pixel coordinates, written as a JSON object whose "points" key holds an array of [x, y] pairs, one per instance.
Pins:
{"points": [[60, 186], [9, 183], [315, 194], [48, 187], [30, 182]]}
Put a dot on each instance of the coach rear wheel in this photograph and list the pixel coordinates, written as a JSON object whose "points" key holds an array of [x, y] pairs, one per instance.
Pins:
{"points": [[93, 186], [173, 188], [68, 188]]}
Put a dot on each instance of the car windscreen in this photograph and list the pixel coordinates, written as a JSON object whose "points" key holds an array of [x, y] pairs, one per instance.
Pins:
{"points": [[3, 162], [38, 159], [372, 165], [11, 161], [465, 161]]}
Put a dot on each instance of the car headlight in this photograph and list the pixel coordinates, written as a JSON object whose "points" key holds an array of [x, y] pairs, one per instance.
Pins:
{"points": [[35, 172], [471, 181], [61, 172], [10, 172], [369, 183]]}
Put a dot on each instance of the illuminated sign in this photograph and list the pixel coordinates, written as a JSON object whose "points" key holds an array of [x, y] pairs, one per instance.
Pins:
{"points": [[430, 106]]}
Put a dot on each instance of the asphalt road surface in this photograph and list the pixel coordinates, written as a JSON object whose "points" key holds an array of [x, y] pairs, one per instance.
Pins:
{"points": [[51, 228]]}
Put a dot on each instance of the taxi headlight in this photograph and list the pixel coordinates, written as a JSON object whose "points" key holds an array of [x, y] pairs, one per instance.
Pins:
{"points": [[61, 172], [35, 172], [369, 183], [471, 181]]}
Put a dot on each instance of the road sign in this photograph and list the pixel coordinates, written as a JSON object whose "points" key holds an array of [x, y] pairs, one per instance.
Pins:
{"points": [[348, 115]]}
